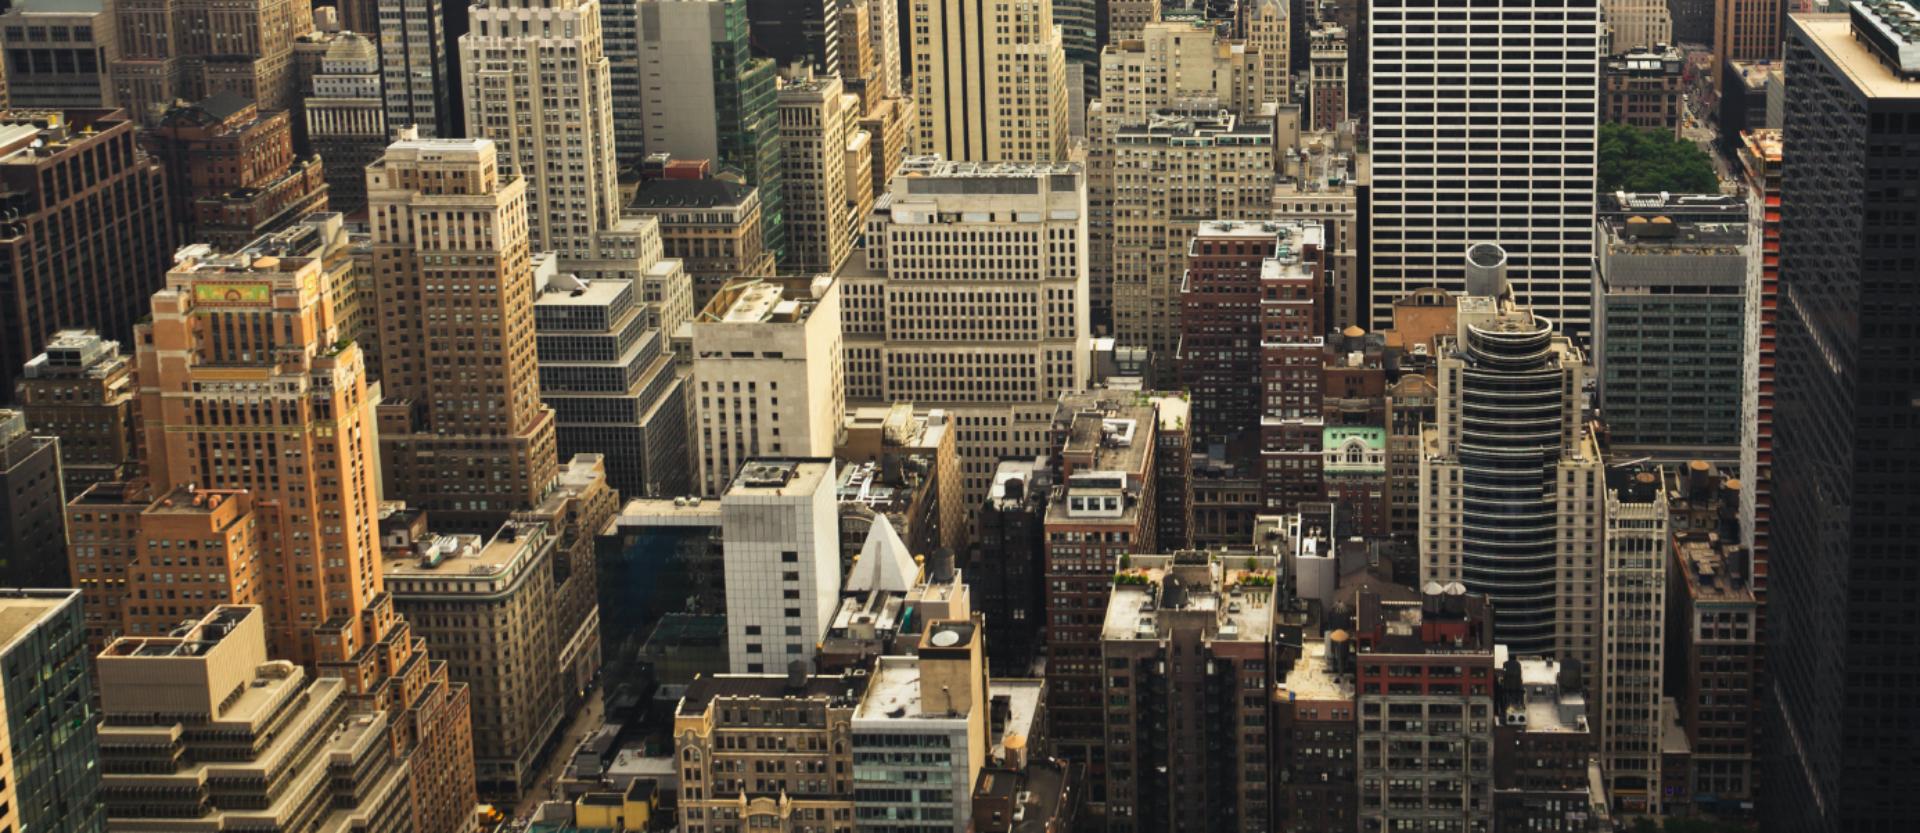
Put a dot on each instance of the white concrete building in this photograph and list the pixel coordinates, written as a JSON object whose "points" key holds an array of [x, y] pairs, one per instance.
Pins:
{"points": [[780, 527], [768, 376], [971, 296], [1493, 143], [991, 80]]}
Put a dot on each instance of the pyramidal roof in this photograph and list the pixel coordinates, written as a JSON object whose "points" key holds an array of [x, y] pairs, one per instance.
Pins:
{"points": [[884, 563]]}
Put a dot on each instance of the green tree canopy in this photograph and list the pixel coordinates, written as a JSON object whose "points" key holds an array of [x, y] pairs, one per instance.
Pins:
{"points": [[1632, 159]]}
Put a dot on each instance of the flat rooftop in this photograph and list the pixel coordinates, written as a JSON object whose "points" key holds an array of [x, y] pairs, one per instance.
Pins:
{"points": [[22, 610], [841, 690], [1833, 36], [1312, 677], [470, 556], [780, 477]]}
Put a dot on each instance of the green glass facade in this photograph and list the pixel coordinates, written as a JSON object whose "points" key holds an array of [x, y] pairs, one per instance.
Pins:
{"points": [[746, 107], [51, 724]]}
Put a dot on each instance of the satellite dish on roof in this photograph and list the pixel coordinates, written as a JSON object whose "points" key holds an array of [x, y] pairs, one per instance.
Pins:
{"points": [[946, 639]]}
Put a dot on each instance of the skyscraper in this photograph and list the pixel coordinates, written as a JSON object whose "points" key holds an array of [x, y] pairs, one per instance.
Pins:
{"points": [[246, 383], [82, 390], [991, 80], [463, 432], [797, 32], [818, 120], [769, 376], [1633, 637], [1498, 150], [126, 239], [1510, 485], [52, 771], [1745, 30], [58, 55], [704, 96], [782, 539], [992, 333], [191, 49], [1638, 24], [347, 119], [33, 532], [232, 171], [420, 92], [1842, 638]]}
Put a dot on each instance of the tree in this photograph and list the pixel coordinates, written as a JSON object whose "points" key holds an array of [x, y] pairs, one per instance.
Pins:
{"points": [[1648, 161]]}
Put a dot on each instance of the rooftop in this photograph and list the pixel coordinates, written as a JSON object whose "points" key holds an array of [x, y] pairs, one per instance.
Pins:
{"points": [[764, 301], [22, 610], [470, 556], [1543, 705], [1880, 61], [1149, 595], [840, 690], [658, 194], [769, 477], [1312, 676]]}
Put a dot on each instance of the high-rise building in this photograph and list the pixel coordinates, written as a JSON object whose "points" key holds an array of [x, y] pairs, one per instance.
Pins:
{"points": [[306, 754], [939, 698], [192, 49], [1170, 175], [705, 96], [232, 170], [818, 121], [725, 723], [1425, 674], [82, 391], [1187, 642], [1099, 513], [346, 118], [1510, 491], [421, 91], [247, 383], [1636, 24], [1324, 177], [1082, 24], [1713, 639], [1644, 88], [463, 432], [1432, 195], [1746, 30], [1269, 31], [1127, 18], [53, 769], [908, 469], [1292, 361], [1327, 76], [1173, 69], [1006, 564], [991, 333], [544, 101], [582, 504], [1692, 21], [607, 372], [33, 532], [1633, 635], [1760, 163], [58, 55], [117, 224], [768, 376], [990, 77], [1840, 630], [1543, 746], [712, 226], [790, 32], [1219, 307], [1669, 323], [782, 539], [1315, 734], [494, 597]]}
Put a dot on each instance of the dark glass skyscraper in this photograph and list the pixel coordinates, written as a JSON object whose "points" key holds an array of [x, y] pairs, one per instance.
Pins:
{"points": [[50, 777], [1844, 640]]}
